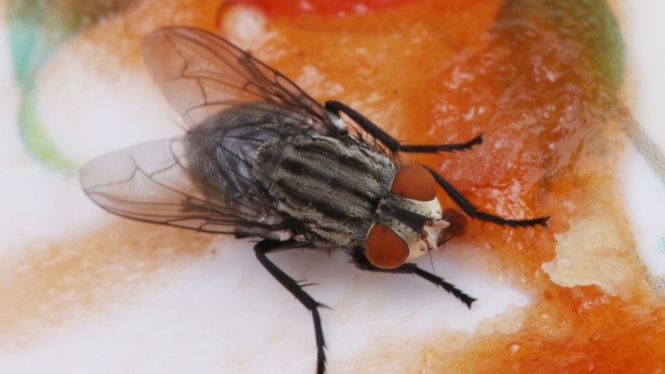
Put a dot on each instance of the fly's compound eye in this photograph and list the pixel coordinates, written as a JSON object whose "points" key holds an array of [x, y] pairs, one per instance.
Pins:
{"points": [[414, 182], [384, 248]]}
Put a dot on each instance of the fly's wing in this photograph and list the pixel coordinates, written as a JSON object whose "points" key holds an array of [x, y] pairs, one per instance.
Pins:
{"points": [[202, 74], [155, 182]]}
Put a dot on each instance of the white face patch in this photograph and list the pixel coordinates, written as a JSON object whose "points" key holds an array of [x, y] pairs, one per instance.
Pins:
{"points": [[431, 232], [420, 243]]}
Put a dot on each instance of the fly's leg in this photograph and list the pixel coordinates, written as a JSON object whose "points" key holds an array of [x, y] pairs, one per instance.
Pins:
{"points": [[394, 146], [473, 212], [266, 246], [391, 143], [359, 259]]}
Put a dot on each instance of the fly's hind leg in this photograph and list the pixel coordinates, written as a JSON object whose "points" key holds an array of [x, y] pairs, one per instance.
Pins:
{"points": [[391, 143], [267, 246], [360, 260]]}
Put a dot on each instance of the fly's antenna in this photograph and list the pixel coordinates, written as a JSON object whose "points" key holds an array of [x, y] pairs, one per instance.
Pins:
{"points": [[431, 260]]}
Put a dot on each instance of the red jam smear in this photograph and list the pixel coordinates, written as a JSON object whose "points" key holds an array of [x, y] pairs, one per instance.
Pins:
{"points": [[281, 8]]}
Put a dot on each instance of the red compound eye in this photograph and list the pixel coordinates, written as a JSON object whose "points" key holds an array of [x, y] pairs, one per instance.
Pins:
{"points": [[384, 248], [414, 182]]}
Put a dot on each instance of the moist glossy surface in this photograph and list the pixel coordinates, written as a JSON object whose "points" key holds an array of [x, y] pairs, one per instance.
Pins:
{"points": [[542, 85]]}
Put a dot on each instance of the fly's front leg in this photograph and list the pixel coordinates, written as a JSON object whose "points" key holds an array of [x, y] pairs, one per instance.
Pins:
{"points": [[473, 212], [391, 143], [359, 259], [266, 246]]}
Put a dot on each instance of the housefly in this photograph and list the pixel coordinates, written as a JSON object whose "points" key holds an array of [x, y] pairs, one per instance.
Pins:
{"points": [[263, 159]]}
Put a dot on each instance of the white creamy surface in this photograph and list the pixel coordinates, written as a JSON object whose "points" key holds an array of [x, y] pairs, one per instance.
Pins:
{"points": [[224, 313], [645, 201], [643, 30]]}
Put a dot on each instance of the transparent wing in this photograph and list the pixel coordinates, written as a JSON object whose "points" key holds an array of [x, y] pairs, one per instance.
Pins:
{"points": [[202, 74], [155, 182]]}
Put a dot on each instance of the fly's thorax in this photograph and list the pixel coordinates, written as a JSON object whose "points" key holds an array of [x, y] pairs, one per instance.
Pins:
{"points": [[332, 188], [408, 220]]}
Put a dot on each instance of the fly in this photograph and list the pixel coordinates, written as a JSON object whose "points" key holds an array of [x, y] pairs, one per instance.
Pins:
{"points": [[263, 159]]}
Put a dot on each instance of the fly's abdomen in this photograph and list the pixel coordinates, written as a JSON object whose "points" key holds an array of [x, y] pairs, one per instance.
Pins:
{"points": [[220, 153], [332, 188]]}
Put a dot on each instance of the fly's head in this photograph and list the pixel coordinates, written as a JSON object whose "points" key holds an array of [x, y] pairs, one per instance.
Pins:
{"points": [[409, 220]]}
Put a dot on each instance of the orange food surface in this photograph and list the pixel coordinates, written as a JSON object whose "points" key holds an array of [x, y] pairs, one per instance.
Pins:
{"points": [[536, 77], [525, 74]]}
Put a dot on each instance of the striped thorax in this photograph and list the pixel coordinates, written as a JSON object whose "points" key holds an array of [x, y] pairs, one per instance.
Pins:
{"points": [[349, 196]]}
